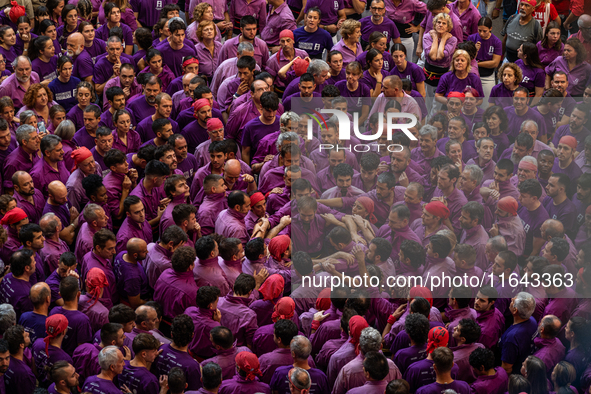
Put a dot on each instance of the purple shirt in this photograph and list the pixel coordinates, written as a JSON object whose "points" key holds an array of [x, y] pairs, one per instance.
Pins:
{"points": [[457, 31], [493, 384], [43, 174], [173, 58], [450, 83], [202, 318], [515, 121], [82, 138], [516, 341], [329, 10], [532, 77], [132, 229], [46, 71], [230, 223], [175, 291], [458, 386], [239, 385], [421, 374], [238, 317], [469, 18], [45, 359], [352, 375], [547, 55], [313, 43], [255, 130], [140, 109], [387, 28], [17, 160], [79, 330], [34, 324], [97, 313], [226, 359], [138, 379], [86, 360], [131, 278], [278, 19], [550, 351], [208, 273], [83, 65], [412, 72], [16, 292], [19, 377], [12, 88], [91, 260], [96, 385], [256, 8], [280, 382], [230, 48], [33, 211], [171, 357], [532, 222], [103, 33], [578, 77]]}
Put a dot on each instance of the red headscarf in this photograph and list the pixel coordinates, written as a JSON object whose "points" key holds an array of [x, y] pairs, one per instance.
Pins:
{"points": [[356, 325], [249, 363], [438, 337], [54, 326], [214, 124], [272, 287], [284, 309], [16, 11], [198, 104], [420, 291], [256, 198], [369, 207], [79, 155], [509, 205], [300, 66], [278, 246], [95, 281], [457, 95], [437, 208], [13, 216], [323, 301]]}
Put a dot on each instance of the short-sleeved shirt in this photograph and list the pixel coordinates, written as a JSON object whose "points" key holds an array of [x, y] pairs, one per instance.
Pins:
{"points": [[516, 343]]}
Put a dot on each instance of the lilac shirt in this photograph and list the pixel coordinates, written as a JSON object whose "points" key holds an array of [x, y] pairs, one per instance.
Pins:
{"points": [[493, 384], [238, 317], [91, 260], [348, 55], [175, 291], [97, 313], [278, 19], [16, 292], [578, 77]]}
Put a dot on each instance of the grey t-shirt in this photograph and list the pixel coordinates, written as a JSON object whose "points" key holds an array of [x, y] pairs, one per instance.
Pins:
{"points": [[517, 33]]}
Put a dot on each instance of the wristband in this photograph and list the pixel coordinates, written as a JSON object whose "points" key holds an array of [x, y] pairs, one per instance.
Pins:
{"points": [[315, 325], [392, 319]]}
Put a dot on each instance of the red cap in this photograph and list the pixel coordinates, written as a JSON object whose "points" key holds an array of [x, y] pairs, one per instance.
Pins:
{"points": [[570, 141], [509, 205], [300, 66], [286, 33], [13, 216]]}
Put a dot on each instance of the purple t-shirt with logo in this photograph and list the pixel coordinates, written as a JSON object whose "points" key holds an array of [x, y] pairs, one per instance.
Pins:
{"points": [[329, 10], [412, 72], [450, 83], [65, 93], [387, 28]]}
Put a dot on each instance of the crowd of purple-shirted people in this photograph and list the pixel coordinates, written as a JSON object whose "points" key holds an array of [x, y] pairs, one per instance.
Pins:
{"points": [[175, 217]]}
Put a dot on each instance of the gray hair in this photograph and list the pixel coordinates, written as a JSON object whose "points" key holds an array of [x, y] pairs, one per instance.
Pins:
{"points": [[288, 136], [370, 340], [107, 357], [289, 116], [49, 142], [293, 168], [476, 173], [23, 132], [245, 46], [19, 58], [530, 159], [90, 212], [300, 378], [7, 317], [48, 223], [317, 66], [428, 131], [301, 347], [526, 122], [25, 116], [480, 141], [525, 304], [66, 130], [115, 40], [498, 243]]}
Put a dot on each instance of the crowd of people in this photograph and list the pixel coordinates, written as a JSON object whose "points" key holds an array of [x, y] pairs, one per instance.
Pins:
{"points": [[175, 217]]}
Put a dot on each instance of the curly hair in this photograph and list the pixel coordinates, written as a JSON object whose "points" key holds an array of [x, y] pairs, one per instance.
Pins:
{"points": [[200, 10], [577, 45], [516, 70], [33, 91], [203, 25], [349, 27]]}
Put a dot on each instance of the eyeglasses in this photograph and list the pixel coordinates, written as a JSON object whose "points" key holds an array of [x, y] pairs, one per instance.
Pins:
{"points": [[2, 61]]}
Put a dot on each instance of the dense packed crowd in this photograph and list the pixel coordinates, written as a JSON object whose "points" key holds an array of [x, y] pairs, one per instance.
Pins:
{"points": [[176, 217]]}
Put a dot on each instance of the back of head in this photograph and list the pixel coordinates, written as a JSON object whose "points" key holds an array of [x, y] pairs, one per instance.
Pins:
{"points": [[443, 359]]}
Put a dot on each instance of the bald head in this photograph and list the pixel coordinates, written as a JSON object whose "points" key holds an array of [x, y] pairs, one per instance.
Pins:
{"points": [[21, 177], [136, 245], [58, 194], [550, 326], [145, 317], [75, 43], [233, 166], [552, 228], [584, 20], [187, 78], [40, 294]]}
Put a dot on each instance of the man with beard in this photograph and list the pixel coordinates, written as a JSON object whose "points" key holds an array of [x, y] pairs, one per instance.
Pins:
{"points": [[584, 33], [520, 28], [286, 53], [163, 107], [215, 131], [165, 154], [109, 67], [509, 225], [399, 165], [51, 167], [527, 169], [489, 318], [27, 197], [195, 132], [519, 112], [447, 193], [397, 230], [4, 362], [247, 111], [485, 147], [230, 221], [304, 98], [385, 195], [575, 127], [565, 164], [186, 162], [523, 146], [145, 106], [64, 377], [248, 32], [83, 66], [257, 128], [457, 130], [116, 98], [132, 283], [186, 92], [500, 186], [432, 221], [18, 377], [557, 203], [343, 173], [560, 82], [18, 83], [473, 232], [583, 160], [126, 81], [236, 87], [546, 160]]}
